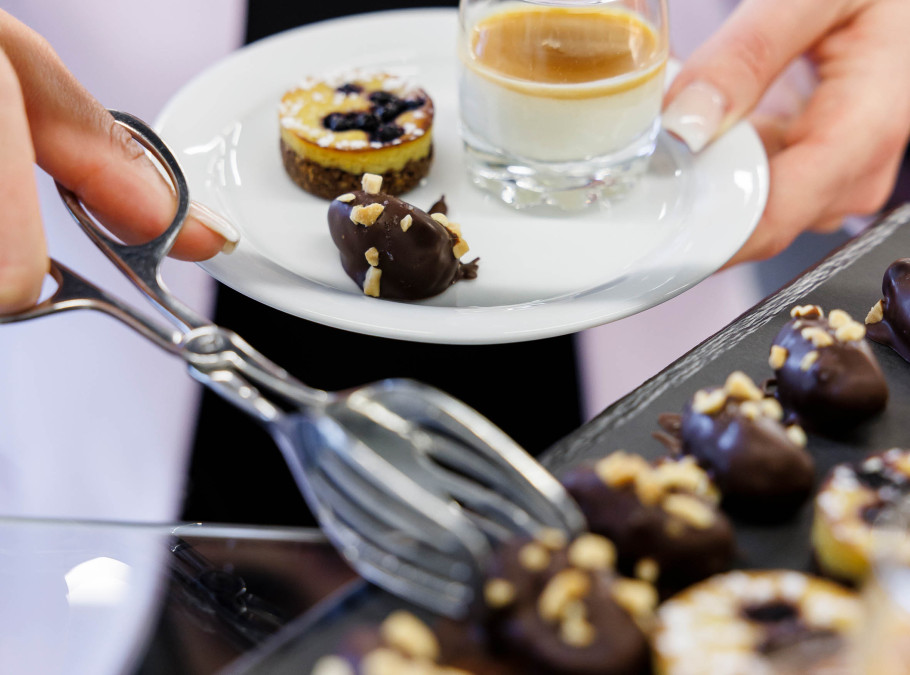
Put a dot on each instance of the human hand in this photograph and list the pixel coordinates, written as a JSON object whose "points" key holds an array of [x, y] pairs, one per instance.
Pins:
{"points": [[839, 154], [48, 117]]}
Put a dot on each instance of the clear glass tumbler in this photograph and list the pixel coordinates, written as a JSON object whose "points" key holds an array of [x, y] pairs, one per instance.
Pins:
{"points": [[560, 99]]}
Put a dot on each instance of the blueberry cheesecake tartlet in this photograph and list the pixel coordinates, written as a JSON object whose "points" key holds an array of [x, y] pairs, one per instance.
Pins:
{"points": [[663, 517], [826, 374], [847, 507], [737, 434], [335, 129], [393, 250], [755, 623]]}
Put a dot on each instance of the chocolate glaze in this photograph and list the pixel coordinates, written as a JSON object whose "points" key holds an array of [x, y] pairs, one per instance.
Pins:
{"points": [[415, 264], [894, 329], [761, 473], [640, 531], [844, 386], [620, 647]]}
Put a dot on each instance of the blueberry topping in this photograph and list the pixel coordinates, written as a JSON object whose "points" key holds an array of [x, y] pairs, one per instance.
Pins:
{"points": [[378, 121], [771, 612]]}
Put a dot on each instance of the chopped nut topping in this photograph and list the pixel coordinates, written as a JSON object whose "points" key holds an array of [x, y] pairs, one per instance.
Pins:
{"points": [[346, 197], [460, 248], [383, 661], [499, 593], [332, 665], [850, 332], [690, 510], [620, 468], [778, 357], [808, 360], [366, 215], [564, 588], [409, 635], [751, 410], [648, 488], [371, 183], [372, 256], [647, 569], [406, 223], [807, 311], [638, 598], [553, 539], [796, 434], [371, 282], [709, 402], [454, 228], [577, 633], [534, 557], [592, 552], [440, 218], [838, 318], [683, 474], [819, 337], [739, 385], [771, 408], [876, 314]]}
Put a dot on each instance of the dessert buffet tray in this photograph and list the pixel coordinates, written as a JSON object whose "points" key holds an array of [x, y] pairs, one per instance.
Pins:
{"points": [[850, 279], [542, 273]]}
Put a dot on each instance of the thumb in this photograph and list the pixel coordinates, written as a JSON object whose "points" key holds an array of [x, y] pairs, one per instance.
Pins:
{"points": [[726, 77]]}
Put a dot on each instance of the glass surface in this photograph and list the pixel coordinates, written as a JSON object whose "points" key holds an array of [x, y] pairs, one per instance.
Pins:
{"points": [[560, 99], [149, 599]]}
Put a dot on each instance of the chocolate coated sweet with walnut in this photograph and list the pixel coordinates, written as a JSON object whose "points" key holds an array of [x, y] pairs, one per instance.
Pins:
{"points": [[736, 434], [826, 375], [394, 250], [662, 518], [888, 322]]}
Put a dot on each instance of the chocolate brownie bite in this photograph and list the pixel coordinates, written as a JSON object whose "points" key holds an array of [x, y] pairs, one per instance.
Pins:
{"points": [[558, 608], [336, 128], [394, 250], [755, 622], [888, 322], [847, 507], [737, 435], [825, 372], [663, 518]]}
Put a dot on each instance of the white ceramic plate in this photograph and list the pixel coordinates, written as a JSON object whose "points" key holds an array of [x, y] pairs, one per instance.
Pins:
{"points": [[541, 273]]}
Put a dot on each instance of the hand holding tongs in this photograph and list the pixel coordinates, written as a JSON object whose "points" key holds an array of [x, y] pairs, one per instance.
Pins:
{"points": [[410, 484]]}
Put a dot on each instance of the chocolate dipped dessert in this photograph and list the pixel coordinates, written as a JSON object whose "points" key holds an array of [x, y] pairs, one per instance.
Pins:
{"points": [[558, 608], [754, 622], [847, 507], [663, 518], [394, 250], [888, 322], [403, 644], [335, 129], [826, 374], [737, 435]]}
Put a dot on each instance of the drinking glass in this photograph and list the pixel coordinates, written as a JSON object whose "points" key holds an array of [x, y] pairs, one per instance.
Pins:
{"points": [[560, 99]]}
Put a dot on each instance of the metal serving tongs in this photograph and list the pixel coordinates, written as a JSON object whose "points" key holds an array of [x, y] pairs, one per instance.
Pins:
{"points": [[412, 486]]}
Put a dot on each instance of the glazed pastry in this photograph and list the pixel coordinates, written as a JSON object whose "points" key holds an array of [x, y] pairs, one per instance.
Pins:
{"points": [[736, 434], [394, 250], [663, 518], [847, 506], [559, 609], [403, 644], [825, 371], [748, 623], [335, 129], [888, 322]]}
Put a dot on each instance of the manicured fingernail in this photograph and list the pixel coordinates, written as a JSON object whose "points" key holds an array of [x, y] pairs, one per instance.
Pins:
{"points": [[217, 224], [696, 114]]}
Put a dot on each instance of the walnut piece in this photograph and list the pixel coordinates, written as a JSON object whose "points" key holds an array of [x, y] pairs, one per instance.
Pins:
{"points": [[709, 402], [563, 589], [739, 385], [534, 557], [409, 635], [371, 282], [406, 223], [876, 314], [366, 215], [778, 357], [690, 510], [372, 256], [346, 197], [499, 593], [371, 183], [592, 552]]}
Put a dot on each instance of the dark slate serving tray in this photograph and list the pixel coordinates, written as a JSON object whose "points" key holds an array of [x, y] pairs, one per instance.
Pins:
{"points": [[849, 279]]}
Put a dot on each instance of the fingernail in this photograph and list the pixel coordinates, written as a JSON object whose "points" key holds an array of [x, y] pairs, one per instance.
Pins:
{"points": [[696, 114], [217, 224]]}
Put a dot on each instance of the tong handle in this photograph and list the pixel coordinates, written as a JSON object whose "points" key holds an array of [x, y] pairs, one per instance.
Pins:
{"points": [[141, 263]]}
